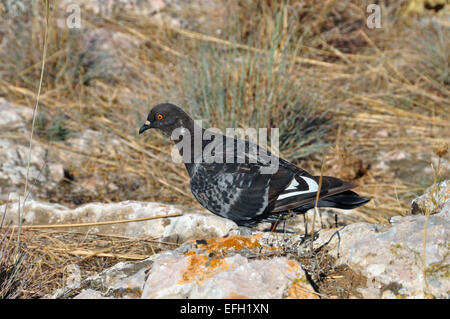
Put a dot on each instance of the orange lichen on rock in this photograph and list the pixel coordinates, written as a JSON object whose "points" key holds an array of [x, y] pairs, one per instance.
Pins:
{"points": [[292, 265], [234, 295], [200, 267], [223, 244], [298, 291]]}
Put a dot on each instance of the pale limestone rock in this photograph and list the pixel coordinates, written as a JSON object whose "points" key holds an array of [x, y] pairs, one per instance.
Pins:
{"points": [[199, 224], [44, 173], [433, 200], [13, 168], [177, 276], [392, 257], [123, 280], [13, 116]]}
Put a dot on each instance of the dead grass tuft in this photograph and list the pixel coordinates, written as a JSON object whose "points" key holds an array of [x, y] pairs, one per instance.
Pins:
{"points": [[50, 255]]}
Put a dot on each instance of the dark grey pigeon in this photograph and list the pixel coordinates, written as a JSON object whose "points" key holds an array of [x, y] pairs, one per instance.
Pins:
{"points": [[239, 185]]}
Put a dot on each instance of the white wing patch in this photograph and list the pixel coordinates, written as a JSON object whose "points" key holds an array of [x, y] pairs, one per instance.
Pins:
{"points": [[293, 184], [312, 188]]}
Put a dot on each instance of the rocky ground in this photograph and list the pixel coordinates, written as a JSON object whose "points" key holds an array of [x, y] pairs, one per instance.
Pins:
{"points": [[217, 259]]}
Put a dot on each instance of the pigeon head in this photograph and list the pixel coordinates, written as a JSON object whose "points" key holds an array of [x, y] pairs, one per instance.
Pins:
{"points": [[167, 117]]}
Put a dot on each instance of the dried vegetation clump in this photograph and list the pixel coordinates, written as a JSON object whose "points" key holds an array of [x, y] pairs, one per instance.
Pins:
{"points": [[46, 259]]}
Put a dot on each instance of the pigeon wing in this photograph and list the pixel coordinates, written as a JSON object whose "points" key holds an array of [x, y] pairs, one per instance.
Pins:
{"points": [[302, 190], [237, 191]]}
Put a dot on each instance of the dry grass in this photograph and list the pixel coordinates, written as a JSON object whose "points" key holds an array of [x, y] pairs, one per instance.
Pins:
{"points": [[18, 274], [371, 94], [49, 254]]}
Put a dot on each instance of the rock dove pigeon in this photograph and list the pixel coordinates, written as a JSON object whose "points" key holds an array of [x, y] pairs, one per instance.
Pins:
{"points": [[240, 187]]}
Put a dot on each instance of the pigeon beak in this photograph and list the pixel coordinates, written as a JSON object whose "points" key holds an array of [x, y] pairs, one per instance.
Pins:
{"points": [[145, 127]]}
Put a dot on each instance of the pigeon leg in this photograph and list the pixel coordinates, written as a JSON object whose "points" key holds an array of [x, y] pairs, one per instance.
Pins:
{"points": [[275, 224], [306, 224]]}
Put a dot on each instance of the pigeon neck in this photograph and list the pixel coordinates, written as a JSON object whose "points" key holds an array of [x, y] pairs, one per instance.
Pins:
{"points": [[190, 144]]}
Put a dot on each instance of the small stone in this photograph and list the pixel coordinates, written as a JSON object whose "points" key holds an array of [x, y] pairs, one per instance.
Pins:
{"points": [[396, 156], [433, 200], [395, 219], [14, 115], [112, 187], [382, 133], [56, 172]]}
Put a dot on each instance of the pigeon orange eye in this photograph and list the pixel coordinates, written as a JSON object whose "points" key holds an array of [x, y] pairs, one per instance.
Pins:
{"points": [[159, 117]]}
